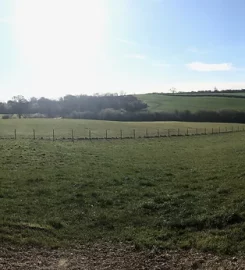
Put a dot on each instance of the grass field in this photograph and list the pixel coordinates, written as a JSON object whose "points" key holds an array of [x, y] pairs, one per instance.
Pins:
{"points": [[63, 128], [185, 192], [158, 103]]}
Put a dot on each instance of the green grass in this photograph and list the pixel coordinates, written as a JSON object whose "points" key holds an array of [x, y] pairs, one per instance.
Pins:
{"points": [[63, 128], [179, 192], [158, 103]]}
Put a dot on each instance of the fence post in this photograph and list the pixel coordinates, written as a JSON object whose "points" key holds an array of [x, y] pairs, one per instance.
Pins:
{"points": [[158, 133], [106, 133], [168, 133], [15, 134], [72, 135], [146, 133], [225, 129], [196, 131], [121, 133], [34, 134], [205, 131], [134, 133], [53, 134], [187, 131], [212, 130], [90, 134], [219, 129]]}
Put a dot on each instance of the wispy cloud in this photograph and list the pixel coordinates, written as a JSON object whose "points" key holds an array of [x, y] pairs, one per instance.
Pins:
{"points": [[136, 56], [155, 64], [125, 41], [196, 50], [199, 66], [135, 43], [5, 20]]}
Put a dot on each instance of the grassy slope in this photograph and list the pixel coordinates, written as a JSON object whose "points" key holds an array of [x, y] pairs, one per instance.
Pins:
{"points": [[63, 127], [171, 192], [159, 103]]}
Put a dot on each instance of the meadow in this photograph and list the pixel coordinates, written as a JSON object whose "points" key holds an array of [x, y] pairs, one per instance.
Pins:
{"points": [[177, 192], [158, 103], [63, 128]]}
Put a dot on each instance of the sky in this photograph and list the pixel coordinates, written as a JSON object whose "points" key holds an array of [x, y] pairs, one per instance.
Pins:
{"points": [[56, 47]]}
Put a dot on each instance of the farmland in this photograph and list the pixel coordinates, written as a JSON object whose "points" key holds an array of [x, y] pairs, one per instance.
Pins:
{"points": [[158, 103], [82, 128], [185, 192]]}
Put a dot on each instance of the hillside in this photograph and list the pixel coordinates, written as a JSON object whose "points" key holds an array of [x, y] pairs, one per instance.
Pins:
{"points": [[160, 102]]}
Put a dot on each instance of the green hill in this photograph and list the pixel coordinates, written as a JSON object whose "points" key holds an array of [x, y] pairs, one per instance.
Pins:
{"points": [[168, 103]]}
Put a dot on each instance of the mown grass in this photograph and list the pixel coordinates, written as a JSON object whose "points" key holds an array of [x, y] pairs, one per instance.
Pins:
{"points": [[158, 103], [63, 128], [185, 192]]}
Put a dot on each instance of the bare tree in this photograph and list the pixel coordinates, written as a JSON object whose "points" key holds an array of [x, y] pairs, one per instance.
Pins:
{"points": [[173, 90]]}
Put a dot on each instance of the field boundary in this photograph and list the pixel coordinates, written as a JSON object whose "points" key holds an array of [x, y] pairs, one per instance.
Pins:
{"points": [[122, 134]]}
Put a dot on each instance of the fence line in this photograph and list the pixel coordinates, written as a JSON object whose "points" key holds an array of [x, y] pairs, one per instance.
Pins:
{"points": [[122, 134]]}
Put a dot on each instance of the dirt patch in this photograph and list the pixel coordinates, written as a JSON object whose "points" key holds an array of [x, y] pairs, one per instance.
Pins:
{"points": [[101, 257]]}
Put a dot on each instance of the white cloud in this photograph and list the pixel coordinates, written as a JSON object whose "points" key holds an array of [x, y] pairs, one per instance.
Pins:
{"points": [[136, 56], [199, 66]]}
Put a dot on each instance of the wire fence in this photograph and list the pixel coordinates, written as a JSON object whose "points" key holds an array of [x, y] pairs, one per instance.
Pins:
{"points": [[107, 134]]}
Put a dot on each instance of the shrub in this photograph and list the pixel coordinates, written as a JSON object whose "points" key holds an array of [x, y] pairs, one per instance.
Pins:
{"points": [[34, 115], [6, 116]]}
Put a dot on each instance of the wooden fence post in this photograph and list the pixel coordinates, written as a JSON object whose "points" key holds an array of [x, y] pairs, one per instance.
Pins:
{"points": [[168, 133], [34, 134], [146, 133], [212, 130], [187, 131], [225, 129], [178, 132], [158, 133], [72, 135], [106, 134], [121, 133], [53, 135], [134, 133], [15, 134], [90, 134], [196, 131]]}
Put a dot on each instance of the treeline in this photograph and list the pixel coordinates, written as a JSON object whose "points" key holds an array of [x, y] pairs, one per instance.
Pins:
{"points": [[108, 107], [197, 94], [70, 105], [223, 116], [207, 92], [220, 91]]}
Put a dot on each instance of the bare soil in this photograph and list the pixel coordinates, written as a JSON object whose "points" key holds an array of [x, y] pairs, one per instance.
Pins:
{"points": [[109, 256]]}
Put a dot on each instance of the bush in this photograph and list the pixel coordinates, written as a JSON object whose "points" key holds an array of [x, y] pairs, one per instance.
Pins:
{"points": [[83, 115], [34, 115], [6, 116]]}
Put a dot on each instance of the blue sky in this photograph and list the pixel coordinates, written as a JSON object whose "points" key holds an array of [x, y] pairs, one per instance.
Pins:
{"points": [[57, 47]]}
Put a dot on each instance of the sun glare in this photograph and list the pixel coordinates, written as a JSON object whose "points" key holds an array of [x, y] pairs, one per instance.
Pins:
{"points": [[61, 41]]}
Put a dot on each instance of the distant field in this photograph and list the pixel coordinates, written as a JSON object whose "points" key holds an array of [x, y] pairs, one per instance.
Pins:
{"points": [[63, 128], [158, 103], [185, 192]]}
